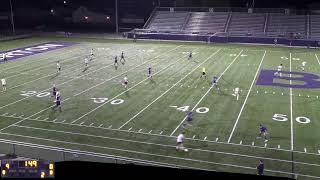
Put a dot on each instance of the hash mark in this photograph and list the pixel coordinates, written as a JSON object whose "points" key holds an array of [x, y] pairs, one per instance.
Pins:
{"points": [[205, 138], [240, 142], [101, 125], [140, 130], [91, 124], [278, 146], [217, 139], [150, 131], [46, 119], [129, 129], [193, 136], [161, 132], [55, 120], [81, 123], [265, 145], [252, 143], [305, 149], [110, 127], [63, 121]]}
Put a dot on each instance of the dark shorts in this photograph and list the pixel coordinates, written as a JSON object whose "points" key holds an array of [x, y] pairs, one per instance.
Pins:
{"points": [[203, 73], [59, 69], [54, 93], [126, 83], [58, 103], [4, 85], [189, 119]]}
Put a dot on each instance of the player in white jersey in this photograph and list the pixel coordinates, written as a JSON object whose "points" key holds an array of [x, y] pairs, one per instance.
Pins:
{"points": [[4, 84], [125, 81], [86, 62], [303, 65], [4, 57], [236, 92], [180, 140], [279, 69], [58, 67]]}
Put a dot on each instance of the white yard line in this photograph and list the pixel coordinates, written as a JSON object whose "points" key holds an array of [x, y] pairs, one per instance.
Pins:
{"points": [[245, 101], [164, 145], [291, 112], [317, 59], [195, 106], [168, 89], [151, 154], [167, 136]]}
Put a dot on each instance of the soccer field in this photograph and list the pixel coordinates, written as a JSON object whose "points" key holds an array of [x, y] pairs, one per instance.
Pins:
{"points": [[101, 117]]}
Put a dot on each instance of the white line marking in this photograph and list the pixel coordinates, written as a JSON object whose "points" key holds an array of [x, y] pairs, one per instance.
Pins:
{"points": [[217, 139], [291, 112], [46, 119], [129, 129], [245, 101], [63, 121], [205, 138], [193, 136], [82, 123], [150, 131], [282, 94], [195, 106], [161, 132], [55, 120], [252, 143], [140, 130], [305, 149], [319, 151], [240, 142], [101, 125], [38, 117], [278, 146], [317, 59], [110, 127], [91, 124], [168, 89], [265, 145]]}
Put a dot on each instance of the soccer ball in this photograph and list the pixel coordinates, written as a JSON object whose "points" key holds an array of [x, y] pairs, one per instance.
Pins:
{"points": [[186, 150]]}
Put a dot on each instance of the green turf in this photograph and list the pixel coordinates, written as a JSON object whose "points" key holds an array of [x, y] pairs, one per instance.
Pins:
{"points": [[141, 126]]}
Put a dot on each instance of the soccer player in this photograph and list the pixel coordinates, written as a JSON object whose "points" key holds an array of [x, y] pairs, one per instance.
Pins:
{"points": [[236, 92], [122, 60], [275, 41], [263, 132], [180, 140], [58, 67], [54, 90], [57, 101], [4, 56], [203, 73], [214, 80], [149, 72], [4, 84], [279, 68], [91, 53], [190, 55], [125, 81], [303, 65], [260, 168], [116, 62]]}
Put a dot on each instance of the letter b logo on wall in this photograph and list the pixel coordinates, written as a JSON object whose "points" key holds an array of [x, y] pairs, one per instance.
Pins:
{"points": [[306, 80]]}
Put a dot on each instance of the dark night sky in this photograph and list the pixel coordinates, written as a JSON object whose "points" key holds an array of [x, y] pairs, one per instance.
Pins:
{"points": [[100, 4]]}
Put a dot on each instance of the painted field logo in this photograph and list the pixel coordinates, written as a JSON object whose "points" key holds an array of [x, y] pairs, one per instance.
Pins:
{"points": [[35, 49], [267, 77]]}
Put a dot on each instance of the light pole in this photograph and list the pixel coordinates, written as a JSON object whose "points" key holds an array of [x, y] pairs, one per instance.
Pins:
{"points": [[12, 22]]}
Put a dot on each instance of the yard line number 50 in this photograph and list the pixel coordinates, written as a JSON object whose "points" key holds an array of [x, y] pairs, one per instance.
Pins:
{"points": [[283, 117]]}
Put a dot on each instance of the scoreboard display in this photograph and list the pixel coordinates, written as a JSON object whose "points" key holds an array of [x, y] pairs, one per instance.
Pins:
{"points": [[27, 169]]}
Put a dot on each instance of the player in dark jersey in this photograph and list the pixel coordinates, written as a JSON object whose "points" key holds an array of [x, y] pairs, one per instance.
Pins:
{"points": [[116, 62], [122, 60], [150, 72], [57, 101], [214, 81], [189, 119], [190, 55], [263, 132], [54, 91]]}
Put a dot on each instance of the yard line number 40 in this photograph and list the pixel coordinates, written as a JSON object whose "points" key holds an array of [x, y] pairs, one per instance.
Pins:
{"points": [[283, 117]]}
